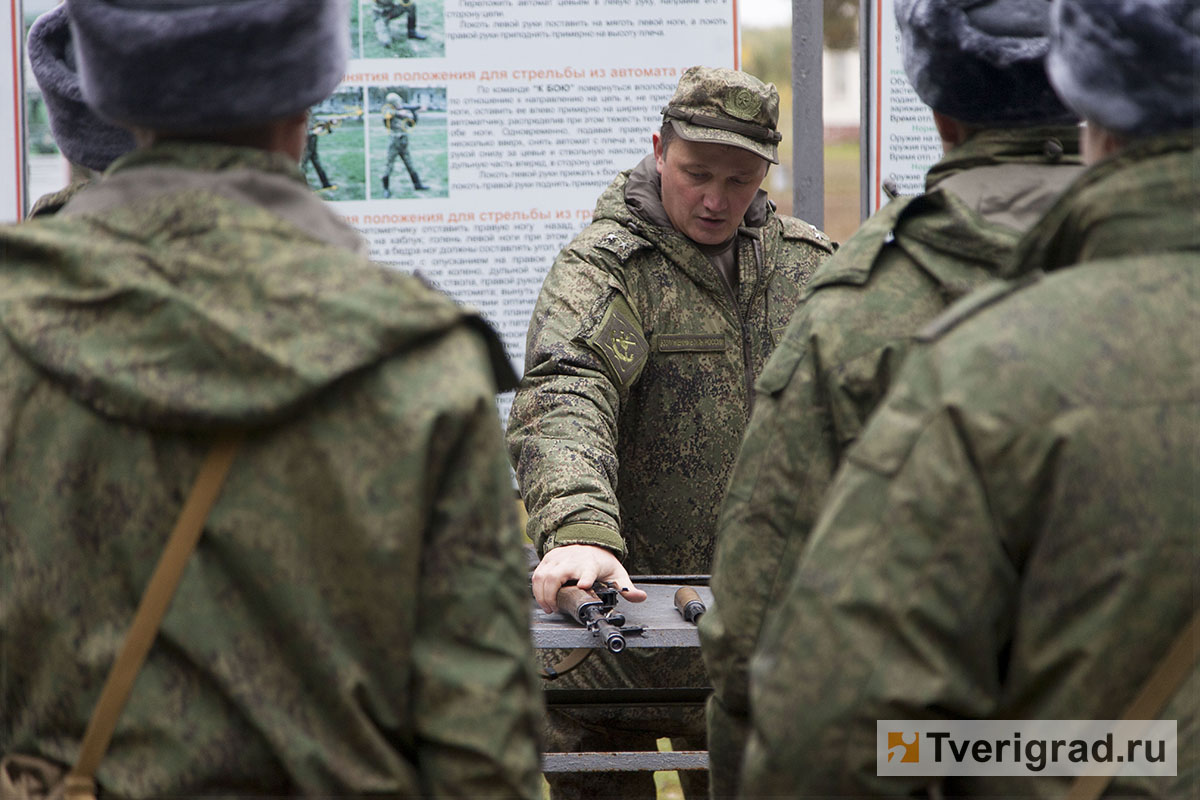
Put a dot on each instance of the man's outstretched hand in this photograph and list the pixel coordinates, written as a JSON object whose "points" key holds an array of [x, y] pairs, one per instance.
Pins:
{"points": [[585, 564]]}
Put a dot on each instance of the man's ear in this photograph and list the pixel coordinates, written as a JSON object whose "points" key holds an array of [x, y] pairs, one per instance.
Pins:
{"points": [[1098, 142], [660, 153], [951, 131]]}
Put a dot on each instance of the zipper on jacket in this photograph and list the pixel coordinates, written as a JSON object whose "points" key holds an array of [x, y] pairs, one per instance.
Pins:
{"points": [[731, 292]]}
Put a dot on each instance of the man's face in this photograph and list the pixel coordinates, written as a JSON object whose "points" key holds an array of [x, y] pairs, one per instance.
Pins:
{"points": [[706, 188]]}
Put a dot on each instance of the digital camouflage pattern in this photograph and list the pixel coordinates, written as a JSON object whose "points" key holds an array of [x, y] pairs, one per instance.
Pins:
{"points": [[639, 367], [636, 459], [53, 202], [355, 618], [1016, 533], [726, 106], [846, 341]]}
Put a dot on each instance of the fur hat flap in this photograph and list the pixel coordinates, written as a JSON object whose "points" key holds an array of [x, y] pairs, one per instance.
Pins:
{"points": [[1131, 66], [981, 61], [199, 66], [82, 137]]}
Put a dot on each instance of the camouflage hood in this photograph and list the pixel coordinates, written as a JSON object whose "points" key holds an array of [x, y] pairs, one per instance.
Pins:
{"points": [[139, 310], [1130, 204]]}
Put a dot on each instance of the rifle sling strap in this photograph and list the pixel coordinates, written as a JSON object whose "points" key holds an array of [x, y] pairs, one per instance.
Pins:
{"points": [[150, 612], [570, 661], [1167, 676]]}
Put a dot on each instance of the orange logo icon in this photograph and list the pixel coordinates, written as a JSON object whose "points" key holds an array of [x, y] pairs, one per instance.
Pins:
{"points": [[905, 745]]}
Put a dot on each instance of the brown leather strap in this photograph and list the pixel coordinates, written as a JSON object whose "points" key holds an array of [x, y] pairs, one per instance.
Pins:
{"points": [[1170, 673], [747, 129], [151, 610], [569, 662]]}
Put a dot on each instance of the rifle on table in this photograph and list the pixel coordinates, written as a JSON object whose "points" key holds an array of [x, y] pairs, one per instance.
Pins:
{"points": [[596, 611]]}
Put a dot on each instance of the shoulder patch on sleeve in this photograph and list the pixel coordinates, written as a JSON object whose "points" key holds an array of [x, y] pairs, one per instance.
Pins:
{"points": [[620, 342], [794, 228], [984, 297], [621, 243]]}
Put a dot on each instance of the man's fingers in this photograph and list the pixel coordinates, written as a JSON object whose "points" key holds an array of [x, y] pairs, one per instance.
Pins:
{"points": [[545, 590], [585, 564], [587, 576], [628, 590]]}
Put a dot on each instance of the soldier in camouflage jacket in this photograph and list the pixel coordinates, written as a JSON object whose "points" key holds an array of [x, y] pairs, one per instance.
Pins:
{"points": [[855, 324], [354, 619], [642, 351], [1015, 535]]}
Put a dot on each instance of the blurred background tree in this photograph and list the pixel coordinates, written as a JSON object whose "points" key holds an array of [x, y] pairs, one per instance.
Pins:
{"points": [[841, 24]]}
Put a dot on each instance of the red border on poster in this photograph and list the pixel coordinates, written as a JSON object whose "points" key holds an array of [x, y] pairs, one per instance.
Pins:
{"points": [[737, 51], [18, 133]]}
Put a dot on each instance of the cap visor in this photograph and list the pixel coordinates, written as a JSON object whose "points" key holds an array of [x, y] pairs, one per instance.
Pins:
{"points": [[700, 133]]}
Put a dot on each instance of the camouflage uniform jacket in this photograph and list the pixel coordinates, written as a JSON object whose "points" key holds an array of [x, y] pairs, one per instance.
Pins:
{"points": [[1016, 533], [359, 593], [639, 368], [844, 344], [53, 202]]}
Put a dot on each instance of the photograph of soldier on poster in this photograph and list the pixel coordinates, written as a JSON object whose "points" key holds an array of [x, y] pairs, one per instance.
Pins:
{"points": [[402, 28], [333, 160], [408, 142]]}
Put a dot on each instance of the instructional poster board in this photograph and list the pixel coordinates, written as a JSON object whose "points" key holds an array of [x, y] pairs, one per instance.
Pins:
{"points": [[900, 140], [496, 123], [513, 115]]}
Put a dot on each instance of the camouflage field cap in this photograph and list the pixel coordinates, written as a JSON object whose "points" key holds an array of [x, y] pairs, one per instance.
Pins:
{"points": [[725, 106]]}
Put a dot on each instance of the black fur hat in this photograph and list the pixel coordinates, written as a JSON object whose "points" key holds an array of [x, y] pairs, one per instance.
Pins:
{"points": [[981, 61], [82, 136], [200, 66], [1132, 66]]}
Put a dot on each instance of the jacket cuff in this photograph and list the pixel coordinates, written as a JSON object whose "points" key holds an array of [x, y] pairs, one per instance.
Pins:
{"points": [[584, 533]]}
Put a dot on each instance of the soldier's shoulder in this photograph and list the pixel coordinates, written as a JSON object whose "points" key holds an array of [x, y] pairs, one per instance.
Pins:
{"points": [[427, 305], [857, 257], [52, 203], [612, 238], [796, 229], [973, 305]]}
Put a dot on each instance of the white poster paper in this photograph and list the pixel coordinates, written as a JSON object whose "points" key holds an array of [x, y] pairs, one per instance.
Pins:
{"points": [[514, 115], [902, 142]]}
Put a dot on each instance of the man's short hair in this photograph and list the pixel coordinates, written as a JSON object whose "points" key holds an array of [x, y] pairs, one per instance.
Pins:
{"points": [[666, 134]]}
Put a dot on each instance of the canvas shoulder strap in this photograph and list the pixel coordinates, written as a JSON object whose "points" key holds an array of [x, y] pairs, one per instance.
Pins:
{"points": [[80, 781], [1170, 673]]}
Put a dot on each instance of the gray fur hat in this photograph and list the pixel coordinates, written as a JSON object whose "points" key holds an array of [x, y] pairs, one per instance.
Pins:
{"points": [[1131, 66], [198, 66], [981, 61], [82, 136]]}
